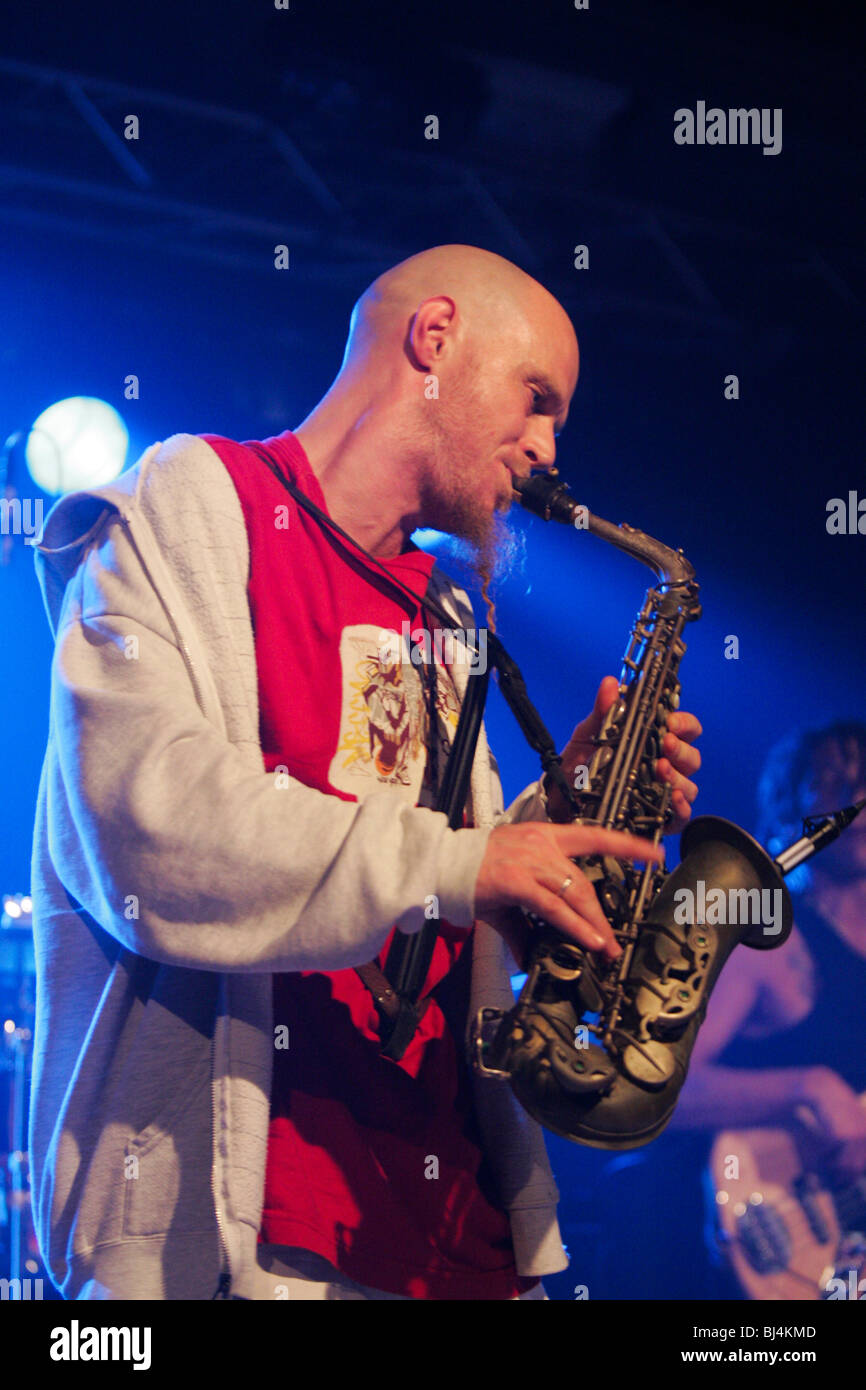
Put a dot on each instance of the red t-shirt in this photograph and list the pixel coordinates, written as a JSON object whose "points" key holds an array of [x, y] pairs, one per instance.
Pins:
{"points": [[374, 1164]]}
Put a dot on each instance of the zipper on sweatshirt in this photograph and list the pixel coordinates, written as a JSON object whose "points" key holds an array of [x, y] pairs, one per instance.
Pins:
{"points": [[225, 1278]]}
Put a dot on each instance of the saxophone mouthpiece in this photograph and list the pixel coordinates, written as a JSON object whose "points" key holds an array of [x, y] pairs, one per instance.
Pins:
{"points": [[547, 496]]}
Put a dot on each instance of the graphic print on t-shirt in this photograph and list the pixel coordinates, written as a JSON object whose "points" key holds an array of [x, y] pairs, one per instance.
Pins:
{"points": [[383, 718]]}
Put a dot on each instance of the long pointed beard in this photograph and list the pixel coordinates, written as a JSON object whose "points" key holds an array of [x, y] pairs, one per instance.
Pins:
{"points": [[489, 560], [478, 541]]}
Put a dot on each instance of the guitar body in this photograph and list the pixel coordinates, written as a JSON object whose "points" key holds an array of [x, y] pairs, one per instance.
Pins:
{"points": [[783, 1229]]}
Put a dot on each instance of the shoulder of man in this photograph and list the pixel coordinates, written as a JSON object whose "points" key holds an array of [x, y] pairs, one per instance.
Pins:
{"points": [[178, 478], [177, 498], [180, 482]]}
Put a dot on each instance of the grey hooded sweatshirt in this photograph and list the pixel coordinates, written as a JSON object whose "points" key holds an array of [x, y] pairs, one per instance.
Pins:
{"points": [[170, 881]]}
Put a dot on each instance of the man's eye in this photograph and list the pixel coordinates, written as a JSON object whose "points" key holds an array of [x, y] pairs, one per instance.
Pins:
{"points": [[536, 397]]}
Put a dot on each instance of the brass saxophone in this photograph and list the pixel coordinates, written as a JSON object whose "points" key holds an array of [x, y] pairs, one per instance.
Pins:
{"points": [[598, 1051]]}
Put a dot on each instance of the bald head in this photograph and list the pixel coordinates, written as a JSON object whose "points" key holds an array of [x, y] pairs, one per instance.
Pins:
{"points": [[491, 296], [457, 375]]}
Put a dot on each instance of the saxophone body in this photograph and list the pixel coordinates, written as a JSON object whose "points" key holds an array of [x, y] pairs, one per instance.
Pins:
{"points": [[598, 1051]]}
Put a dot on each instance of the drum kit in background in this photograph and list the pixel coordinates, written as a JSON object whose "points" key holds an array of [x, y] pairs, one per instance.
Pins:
{"points": [[19, 1252]]}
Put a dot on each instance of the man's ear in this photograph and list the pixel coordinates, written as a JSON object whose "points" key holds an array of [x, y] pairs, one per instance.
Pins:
{"points": [[431, 328]]}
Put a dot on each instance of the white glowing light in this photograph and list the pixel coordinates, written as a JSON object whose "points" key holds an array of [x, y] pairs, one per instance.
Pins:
{"points": [[80, 442]]}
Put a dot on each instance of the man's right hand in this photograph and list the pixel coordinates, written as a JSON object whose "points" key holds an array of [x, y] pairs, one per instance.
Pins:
{"points": [[526, 865]]}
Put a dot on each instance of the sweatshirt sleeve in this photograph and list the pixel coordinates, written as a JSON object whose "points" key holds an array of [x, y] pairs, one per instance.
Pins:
{"points": [[175, 844], [529, 805]]}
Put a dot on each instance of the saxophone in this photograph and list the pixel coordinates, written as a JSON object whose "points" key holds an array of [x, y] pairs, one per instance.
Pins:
{"points": [[598, 1051]]}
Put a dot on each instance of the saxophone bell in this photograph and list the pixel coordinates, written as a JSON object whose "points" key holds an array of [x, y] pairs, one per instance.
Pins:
{"points": [[614, 1082]]}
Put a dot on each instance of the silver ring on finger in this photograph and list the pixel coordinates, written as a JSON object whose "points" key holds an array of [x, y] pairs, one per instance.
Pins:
{"points": [[566, 884]]}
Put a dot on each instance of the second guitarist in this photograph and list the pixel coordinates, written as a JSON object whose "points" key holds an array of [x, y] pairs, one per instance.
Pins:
{"points": [[784, 1043]]}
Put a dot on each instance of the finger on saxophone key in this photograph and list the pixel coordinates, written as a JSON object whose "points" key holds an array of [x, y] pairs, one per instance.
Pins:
{"points": [[575, 840], [580, 916]]}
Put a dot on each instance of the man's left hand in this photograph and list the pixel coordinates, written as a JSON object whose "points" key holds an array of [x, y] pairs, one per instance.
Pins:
{"points": [[677, 767]]}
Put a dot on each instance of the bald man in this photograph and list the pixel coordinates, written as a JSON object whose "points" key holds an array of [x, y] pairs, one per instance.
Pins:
{"points": [[236, 813]]}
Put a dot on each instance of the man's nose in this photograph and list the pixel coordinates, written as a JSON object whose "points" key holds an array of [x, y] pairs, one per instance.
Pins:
{"points": [[540, 446]]}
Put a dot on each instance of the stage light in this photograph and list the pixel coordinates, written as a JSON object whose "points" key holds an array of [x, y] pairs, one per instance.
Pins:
{"points": [[76, 443]]}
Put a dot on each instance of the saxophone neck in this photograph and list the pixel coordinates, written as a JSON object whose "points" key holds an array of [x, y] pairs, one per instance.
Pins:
{"points": [[671, 568], [548, 496]]}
